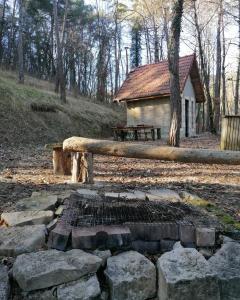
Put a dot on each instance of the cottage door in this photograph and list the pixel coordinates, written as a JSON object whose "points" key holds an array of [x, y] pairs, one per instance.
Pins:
{"points": [[186, 117]]}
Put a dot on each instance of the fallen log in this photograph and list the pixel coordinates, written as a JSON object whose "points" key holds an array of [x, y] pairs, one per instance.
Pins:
{"points": [[134, 150]]}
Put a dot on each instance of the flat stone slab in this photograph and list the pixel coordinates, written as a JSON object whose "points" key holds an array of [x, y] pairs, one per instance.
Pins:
{"points": [[136, 195], [111, 195], [154, 231], [205, 237], [59, 237], [82, 289], [45, 269], [184, 274], [19, 240], [22, 218], [131, 276], [226, 263], [4, 283], [88, 194], [37, 203], [91, 238], [163, 195], [104, 255]]}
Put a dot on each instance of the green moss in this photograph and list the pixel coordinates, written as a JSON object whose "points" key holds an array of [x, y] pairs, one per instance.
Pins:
{"points": [[224, 217], [199, 202]]}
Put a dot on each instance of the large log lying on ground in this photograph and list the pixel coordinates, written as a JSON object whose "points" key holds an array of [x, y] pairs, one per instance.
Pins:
{"points": [[131, 150]]}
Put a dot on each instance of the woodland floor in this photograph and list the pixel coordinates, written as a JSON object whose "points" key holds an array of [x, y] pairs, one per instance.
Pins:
{"points": [[27, 169]]}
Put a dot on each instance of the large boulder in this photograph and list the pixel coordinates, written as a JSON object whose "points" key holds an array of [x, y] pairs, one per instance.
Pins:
{"points": [[103, 254], [184, 274], [48, 268], [4, 283], [22, 218], [163, 195], [226, 263], [131, 276], [48, 202], [82, 289], [19, 240], [47, 294]]}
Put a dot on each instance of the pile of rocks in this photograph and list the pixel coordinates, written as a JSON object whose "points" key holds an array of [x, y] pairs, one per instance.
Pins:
{"points": [[182, 273], [36, 272]]}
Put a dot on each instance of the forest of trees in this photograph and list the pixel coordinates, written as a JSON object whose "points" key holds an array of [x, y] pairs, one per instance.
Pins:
{"points": [[88, 47]]}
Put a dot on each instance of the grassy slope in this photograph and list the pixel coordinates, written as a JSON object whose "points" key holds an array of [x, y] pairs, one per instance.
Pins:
{"points": [[19, 124]]}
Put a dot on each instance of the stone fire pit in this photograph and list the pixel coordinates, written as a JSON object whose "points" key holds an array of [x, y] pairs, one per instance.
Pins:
{"points": [[92, 221], [108, 245]]}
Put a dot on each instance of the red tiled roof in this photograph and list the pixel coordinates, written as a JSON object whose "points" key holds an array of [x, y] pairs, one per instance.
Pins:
{"points": [[153, 80]]}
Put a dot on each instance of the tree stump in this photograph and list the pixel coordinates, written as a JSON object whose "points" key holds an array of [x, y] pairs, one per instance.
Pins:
{"points": [[86, 168], [82, 168], [76, 159], [61, 162]]}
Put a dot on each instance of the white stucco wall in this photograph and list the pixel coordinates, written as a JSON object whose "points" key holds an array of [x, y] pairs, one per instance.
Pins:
{"points": [[157, 112], [154, 112], [189, 94]]}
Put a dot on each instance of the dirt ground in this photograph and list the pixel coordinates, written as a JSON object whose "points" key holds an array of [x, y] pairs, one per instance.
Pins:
{"points": [[27, 169]]}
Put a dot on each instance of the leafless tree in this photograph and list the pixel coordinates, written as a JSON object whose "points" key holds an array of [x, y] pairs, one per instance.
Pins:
{"points": [[20, 43], [173, 61]]}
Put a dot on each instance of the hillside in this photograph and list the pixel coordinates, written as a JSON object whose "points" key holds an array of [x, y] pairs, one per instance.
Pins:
{"points": [[32, 114]]}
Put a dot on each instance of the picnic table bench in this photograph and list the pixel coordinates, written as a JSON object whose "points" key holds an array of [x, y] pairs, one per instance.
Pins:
{"points": [[136, 132]]}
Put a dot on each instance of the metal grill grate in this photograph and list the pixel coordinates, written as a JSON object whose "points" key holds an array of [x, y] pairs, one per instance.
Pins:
{"points": [[80, 212]]}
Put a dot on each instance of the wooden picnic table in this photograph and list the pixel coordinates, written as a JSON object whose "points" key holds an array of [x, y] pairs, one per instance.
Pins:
{"points": [[135, 132]]}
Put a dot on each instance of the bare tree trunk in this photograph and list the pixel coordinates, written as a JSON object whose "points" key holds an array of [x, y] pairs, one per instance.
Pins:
{"points": [[116, 48], [60, 76], [2, 28], [210, 122], [20, 44], [217, 87], [224, 90], [236, 100], [156, 45], [12, 37], [173, 61]]}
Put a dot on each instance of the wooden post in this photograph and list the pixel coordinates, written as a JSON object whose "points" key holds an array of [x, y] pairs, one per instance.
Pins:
{"points": [[86, 168], [61, 162], [76, 161]]}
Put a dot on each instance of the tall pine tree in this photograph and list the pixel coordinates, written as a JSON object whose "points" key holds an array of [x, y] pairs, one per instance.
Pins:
{"points": [[136, 48]]}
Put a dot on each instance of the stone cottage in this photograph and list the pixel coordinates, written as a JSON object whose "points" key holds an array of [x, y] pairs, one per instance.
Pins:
{"points": [[146, 92]]}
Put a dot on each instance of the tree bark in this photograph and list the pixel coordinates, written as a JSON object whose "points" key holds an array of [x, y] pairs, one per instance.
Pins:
{"points": [[2, 22], [173, 62], [60, 76], [217, 87], [86, 168], [20, 44], [61, 162], [224, 89], [76, 163], [131, 150], [156, 44], [210, 118], [236, 99]]}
